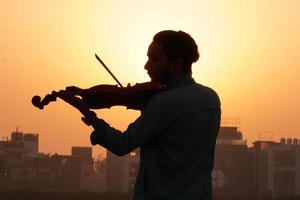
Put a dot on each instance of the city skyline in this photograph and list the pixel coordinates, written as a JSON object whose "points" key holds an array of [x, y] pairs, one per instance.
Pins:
{"points": [[248, 54], [229, 122], [239, 170]]}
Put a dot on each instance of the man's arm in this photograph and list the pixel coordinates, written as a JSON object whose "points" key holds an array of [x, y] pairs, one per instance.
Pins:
{"points": [[153, 122], [147, 127]]}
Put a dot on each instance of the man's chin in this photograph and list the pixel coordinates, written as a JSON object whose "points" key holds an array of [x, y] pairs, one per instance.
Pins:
{"points": [[151, 78], [154, 79]]}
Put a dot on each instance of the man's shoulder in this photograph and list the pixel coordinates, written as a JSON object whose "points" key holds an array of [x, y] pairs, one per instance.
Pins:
{"points": [[207, 90], [208, 95], [192, 93], [192, 89]]}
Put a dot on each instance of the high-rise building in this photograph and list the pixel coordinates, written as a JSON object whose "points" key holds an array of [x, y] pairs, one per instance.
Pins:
{"points": [[277, 168], [24, 143], [22, 167], [232, 175], [121, 172]]}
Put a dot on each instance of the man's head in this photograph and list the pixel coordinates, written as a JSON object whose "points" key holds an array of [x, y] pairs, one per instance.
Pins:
{"points": [[170, 54]]}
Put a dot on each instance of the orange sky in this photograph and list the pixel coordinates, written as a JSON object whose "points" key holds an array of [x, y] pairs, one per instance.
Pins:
{"points": [[249, 55]]}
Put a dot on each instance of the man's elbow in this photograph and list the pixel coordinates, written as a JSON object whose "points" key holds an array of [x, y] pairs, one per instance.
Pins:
{"points": [[121, 151]]}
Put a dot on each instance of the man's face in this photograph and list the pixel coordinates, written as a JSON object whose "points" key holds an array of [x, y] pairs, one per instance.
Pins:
{"points": [[157, 64]]}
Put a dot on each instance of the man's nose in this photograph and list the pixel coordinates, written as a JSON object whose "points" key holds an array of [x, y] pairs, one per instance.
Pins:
{"points": [[146, 66]]}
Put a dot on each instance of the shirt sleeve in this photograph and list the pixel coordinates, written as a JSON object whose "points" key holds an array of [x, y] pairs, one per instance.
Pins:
{"points": [[152, 122]]}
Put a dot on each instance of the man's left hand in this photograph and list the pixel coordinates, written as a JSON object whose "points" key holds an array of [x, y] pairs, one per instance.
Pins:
{"points": [[74, 101]]}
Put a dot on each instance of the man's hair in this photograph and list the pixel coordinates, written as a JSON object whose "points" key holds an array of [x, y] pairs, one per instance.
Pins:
{"points": [[178, 44]]}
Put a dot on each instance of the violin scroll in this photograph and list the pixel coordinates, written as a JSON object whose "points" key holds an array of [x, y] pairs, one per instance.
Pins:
{"points": [[38, 102]]}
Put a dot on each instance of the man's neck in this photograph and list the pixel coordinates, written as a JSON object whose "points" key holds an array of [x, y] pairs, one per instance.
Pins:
{"points": [[178, 76], [178, 80]]}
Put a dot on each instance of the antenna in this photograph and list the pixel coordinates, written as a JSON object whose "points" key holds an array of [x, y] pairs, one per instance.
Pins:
{"points": [[265, 135], [102, 63]]}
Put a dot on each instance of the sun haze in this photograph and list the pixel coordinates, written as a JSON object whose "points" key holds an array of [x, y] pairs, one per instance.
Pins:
{"points": [[248, 54]]}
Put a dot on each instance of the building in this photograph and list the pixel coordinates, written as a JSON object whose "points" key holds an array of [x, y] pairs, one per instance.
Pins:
{"points": [[266, 170], [232, 175], [81, 166], [121, 172], [13, 154], [23, 168], [277, 168]]}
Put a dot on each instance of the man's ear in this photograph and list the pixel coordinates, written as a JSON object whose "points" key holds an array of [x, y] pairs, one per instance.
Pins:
{"points": [[177, 64]]}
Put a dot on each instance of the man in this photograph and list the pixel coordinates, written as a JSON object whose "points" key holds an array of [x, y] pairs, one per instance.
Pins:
{"points": [[176, 132]]}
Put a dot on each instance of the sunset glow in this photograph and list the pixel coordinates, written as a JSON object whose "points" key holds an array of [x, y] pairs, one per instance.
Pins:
{"points": [[249, 53]]}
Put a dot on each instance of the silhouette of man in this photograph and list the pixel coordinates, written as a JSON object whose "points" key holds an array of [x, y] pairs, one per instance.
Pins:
{"points": [[176, 132]]}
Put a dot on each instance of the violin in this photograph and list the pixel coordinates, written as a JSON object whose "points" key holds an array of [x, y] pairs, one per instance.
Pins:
{"points": [[105, 96]]}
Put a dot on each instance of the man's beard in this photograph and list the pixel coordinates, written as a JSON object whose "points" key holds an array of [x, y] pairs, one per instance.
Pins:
{"points": [[166, 74]]}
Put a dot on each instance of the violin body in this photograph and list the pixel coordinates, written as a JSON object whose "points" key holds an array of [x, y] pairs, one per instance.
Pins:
{"points": [[133, 97], [105, 96]]}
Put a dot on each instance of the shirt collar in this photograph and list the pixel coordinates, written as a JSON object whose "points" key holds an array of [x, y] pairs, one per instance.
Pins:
{"points": [[180, 80]]}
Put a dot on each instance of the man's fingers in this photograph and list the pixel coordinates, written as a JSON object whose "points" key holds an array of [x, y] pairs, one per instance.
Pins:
{"points": [[62, 94], [65, 96], [73, 89], [74, 101]]}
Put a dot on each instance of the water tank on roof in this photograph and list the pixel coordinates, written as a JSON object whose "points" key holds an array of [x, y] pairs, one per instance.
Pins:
{"points": [[282, 141], [289, 141], [295, 141]]}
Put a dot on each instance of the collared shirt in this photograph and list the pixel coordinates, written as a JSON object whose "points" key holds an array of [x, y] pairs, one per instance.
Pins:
{"points": [[177, 134]]}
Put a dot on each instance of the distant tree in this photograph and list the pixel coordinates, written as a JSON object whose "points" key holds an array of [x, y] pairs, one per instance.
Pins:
{"points": [[100, 163]]}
